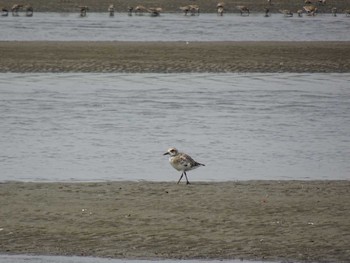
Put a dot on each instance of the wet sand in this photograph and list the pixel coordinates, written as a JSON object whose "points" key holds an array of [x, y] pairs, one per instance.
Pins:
{"points": [[271, 220], [174, 57]]}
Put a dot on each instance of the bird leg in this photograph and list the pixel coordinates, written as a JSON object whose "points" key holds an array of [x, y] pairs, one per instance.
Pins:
{"points": [[180, 178], [187, 182]]}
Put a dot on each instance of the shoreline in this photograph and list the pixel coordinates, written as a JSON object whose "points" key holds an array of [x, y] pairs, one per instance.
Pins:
{"points": [[175, 57], [251, 220]]}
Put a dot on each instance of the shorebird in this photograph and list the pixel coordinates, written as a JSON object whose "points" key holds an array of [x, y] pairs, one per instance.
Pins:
{"points": [[182, 162], [155, 11], [15, 8], [311, 10], [140, 10], [267, 11], [220, 8], [334, 11], [111, 10], [243, 10], [29, 10], [193, 9], [5, 12], [83, 10]]}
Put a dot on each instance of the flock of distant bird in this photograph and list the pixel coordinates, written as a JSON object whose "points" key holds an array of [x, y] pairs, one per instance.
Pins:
{"points": [[310, 8], [28, 9]]}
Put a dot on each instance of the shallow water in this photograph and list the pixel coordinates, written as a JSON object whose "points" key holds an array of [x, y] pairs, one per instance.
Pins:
{"points": [[174, 27], [85, 127]]}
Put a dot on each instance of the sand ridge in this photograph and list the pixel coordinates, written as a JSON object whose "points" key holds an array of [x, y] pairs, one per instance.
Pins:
{"points": [[272, 220], [174, 57]]}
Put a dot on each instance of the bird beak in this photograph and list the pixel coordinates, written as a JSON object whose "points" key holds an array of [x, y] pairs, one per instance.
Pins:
{"points": [[166, 153]]}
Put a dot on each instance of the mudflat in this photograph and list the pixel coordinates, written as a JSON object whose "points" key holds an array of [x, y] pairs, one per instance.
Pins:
{"points": [[271, 220], [174, 57]]}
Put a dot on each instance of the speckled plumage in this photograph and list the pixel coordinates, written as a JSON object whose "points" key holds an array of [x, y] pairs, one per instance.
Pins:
{"points": [[182, 162]]}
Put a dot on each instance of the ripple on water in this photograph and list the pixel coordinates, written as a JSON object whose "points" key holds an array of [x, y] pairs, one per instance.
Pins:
{"points": [[116, 126], [173, 27]]}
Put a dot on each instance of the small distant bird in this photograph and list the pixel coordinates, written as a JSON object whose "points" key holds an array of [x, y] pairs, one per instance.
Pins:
{"points": [[182, 162]]}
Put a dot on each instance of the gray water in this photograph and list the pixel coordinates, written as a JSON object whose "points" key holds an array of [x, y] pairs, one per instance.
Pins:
{"points": [[88, 127], [174, 27]]}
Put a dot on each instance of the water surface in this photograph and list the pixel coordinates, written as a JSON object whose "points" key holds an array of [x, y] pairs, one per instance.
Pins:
{"points": [[85, 127], [174, 27]]}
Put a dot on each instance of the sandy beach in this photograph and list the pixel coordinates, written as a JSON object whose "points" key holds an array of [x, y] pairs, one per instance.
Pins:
{"points": [[296, 221], [255, 220], [174, 57], [272, 220]]}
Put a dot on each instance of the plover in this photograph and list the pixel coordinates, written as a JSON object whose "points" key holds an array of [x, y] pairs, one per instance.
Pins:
{"points": [[182, 162]]}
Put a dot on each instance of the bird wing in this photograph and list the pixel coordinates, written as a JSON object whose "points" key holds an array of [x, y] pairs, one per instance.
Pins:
{"points": [[184, 162], [187, 160]]}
